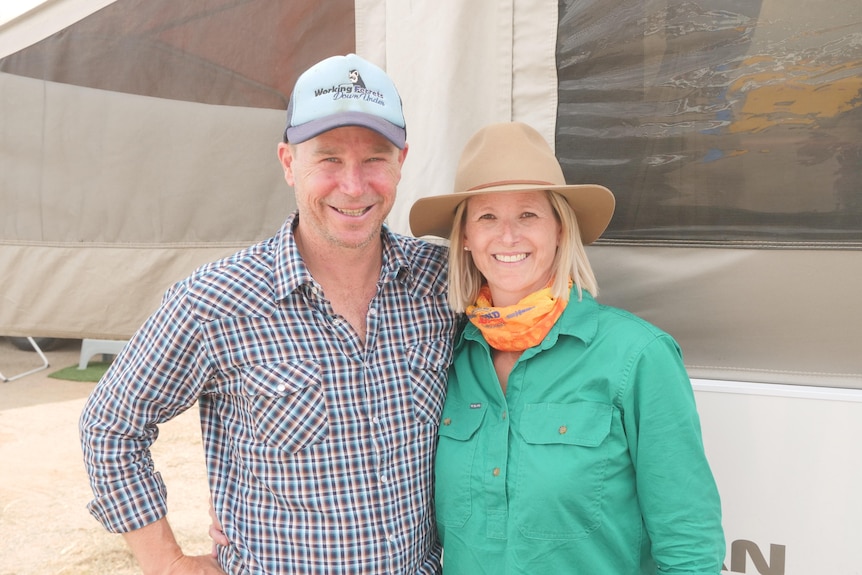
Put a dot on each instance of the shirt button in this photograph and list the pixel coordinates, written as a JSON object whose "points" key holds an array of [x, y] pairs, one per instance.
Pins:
{"points": [[496, 472], [281, 387], [505, 415], [375, 420], [447, 421], [383, 478], [563, 429]]}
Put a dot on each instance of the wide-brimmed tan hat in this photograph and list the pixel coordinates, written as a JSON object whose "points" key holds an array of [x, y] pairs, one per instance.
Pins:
{"points": [[512, 157]]}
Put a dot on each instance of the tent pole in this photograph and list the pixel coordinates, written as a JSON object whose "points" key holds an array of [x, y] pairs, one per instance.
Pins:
{"points": [[44, 365]]}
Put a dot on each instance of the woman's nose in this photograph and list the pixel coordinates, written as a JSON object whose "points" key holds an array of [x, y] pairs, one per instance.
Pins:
{"points": [[508, 231]]}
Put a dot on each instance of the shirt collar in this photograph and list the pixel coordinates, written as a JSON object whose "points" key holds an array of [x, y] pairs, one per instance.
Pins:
{"points": [[580, 319], [291, 272]]}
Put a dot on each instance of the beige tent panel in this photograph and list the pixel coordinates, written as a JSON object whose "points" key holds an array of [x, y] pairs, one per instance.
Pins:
{"points": [[83, 165], [91, 234], [779, 316], [101, 292]]}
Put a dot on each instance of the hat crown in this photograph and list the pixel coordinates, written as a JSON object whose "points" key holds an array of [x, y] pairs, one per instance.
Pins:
{"points": [[344, 91], [509, 153], [512, 157]]}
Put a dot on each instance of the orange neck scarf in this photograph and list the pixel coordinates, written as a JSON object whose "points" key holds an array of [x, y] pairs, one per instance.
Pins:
{"points": [[516, 327]]}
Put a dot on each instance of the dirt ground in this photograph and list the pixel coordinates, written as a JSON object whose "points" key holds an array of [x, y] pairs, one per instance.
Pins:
{"points": [[45, 528]]}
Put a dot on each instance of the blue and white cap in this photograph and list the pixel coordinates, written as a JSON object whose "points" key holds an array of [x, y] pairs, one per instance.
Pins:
{"points": [[344, 91]]}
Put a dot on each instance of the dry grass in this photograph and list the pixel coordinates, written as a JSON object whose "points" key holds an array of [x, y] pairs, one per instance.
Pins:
{"points": [[45, 528]]}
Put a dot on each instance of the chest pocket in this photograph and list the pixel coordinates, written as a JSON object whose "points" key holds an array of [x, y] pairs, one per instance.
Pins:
{"points": [[457, 443], [562, 468], [429, 365], [287, 407], [585, 423]]}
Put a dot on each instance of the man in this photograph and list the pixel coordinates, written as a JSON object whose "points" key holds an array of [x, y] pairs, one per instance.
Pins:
{"points": [[318, 358]]}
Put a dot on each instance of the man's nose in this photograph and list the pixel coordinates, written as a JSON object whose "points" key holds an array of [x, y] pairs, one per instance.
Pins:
{"points": [[352, 181]]}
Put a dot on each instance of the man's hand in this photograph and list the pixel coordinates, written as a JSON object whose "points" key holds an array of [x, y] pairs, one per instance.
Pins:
{"points": [[158, 553], [197, 565], [216, 533]]}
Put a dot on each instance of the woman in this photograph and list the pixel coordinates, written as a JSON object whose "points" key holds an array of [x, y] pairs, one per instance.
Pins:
{"points": [[569, 441]]}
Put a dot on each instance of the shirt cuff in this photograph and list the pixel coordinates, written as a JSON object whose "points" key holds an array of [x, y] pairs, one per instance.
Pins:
{"points": [[131, 505]]}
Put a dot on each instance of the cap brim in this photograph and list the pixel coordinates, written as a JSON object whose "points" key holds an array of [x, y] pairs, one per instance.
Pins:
{"points": [[593, 206], [395, 134]]}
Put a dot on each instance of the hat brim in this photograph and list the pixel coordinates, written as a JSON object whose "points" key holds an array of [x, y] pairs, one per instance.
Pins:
{"points": [[593, 206], [303, 132]]}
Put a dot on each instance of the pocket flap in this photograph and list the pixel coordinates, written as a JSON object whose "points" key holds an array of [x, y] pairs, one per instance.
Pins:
{"points": [[583, 423], [276, 380], [434, 355], [460, 422]]}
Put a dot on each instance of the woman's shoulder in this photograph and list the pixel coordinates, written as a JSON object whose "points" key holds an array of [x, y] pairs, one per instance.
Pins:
{"points": [[624, 321]]}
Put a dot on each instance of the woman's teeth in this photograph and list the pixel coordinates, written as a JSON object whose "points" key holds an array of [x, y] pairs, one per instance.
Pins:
{"points": [[510, 258]]}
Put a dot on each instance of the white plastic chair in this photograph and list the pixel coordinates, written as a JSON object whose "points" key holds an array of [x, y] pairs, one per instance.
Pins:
{"points": [[91, 347]]}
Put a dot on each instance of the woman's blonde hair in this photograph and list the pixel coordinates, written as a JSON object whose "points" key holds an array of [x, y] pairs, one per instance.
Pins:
{"points": [[570, 261]]}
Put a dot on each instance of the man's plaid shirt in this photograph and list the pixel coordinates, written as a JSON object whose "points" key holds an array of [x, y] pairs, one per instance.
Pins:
{"points": [[319, 449]]}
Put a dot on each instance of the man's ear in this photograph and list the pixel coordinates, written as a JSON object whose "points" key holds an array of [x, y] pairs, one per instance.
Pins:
{"points": [[285, 158]]}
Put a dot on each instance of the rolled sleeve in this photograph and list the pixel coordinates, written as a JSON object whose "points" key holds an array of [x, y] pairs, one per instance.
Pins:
{"points": [[131, 504], [151, 381], [676, 489]]}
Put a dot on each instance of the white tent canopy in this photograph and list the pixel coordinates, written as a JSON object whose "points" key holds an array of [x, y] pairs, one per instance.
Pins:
{"points": [[118, 177]]}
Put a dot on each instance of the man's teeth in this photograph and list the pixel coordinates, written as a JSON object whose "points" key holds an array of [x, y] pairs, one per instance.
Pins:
{"points": [[510, 259], [352, 212]]}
